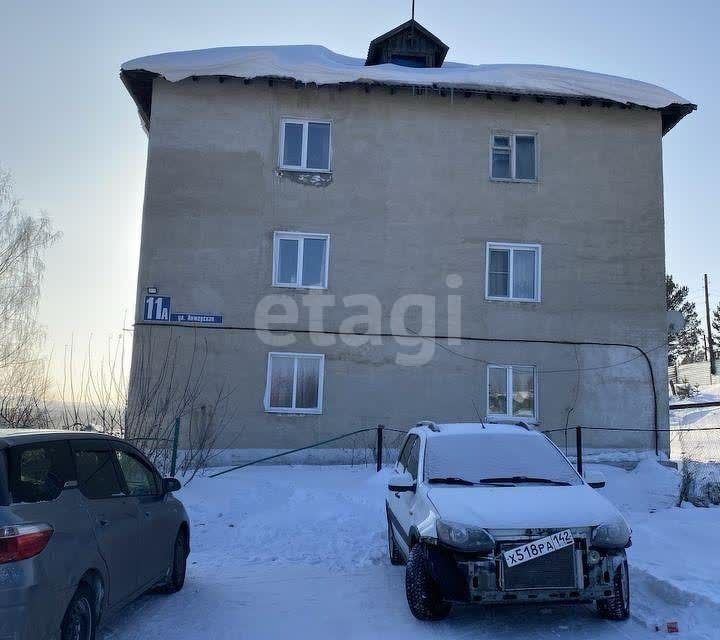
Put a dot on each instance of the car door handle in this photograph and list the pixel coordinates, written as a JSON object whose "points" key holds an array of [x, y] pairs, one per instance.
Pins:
{"points": [[148, 514], [103, 522]]}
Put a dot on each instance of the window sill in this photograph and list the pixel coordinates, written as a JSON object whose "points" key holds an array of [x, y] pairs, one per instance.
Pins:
{"points": [[513, 419], [301, 170], [497, 299], [295, 412], [520, 180], [295, 287]]}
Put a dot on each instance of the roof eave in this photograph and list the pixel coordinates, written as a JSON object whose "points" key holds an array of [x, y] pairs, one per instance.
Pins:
{"points": [[673, 113], [139, 84]]}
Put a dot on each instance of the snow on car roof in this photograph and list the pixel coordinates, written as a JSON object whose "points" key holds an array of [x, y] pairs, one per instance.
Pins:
{"points": [[463, 428], [318, 65]]}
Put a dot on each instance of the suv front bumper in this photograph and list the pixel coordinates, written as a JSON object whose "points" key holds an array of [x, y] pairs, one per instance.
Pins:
{"points": [[467, 579]]}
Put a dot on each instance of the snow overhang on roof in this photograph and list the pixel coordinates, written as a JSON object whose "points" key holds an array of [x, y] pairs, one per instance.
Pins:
{"points": [[313, 64]]}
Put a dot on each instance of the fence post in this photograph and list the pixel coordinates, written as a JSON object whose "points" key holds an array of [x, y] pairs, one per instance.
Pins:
{"points": [[379, 447], [578, 449], [176, 437]]}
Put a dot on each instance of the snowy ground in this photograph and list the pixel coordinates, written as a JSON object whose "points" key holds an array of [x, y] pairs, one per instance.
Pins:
{"points": [[300, 552]]}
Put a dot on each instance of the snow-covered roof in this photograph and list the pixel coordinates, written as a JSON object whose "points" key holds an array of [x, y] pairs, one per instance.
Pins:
{"points": [[318, 65]]}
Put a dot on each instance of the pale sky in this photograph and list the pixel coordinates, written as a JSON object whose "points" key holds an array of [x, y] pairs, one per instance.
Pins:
{"points": [[70, 134]]}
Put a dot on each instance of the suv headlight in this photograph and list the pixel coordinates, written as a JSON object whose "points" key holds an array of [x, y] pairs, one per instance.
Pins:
{"points": [[611, 536], [464, 538]]}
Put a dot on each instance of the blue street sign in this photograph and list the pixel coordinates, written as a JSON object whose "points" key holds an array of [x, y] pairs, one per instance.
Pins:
{"points": [[201, 318], [157, 308]]}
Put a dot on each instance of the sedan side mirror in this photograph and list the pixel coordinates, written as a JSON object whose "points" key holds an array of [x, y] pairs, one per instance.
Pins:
{"points": [[596, 479], [170, 485], [402, 483]]}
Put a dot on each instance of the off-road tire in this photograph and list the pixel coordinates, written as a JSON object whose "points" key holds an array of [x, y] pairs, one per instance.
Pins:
{"points": [[79, 621], [617, 607], [176, 578], [424, 596], [394, 553]]}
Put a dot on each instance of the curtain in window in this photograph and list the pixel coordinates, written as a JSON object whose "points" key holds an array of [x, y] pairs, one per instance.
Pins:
{"points": [[523, 393], [292, 153], [497, 390], [318, 145], [524, 273], [287, 261], [499, 273], [308, 379], [313, 269], [281, 383], [501, 163], [525, 157]]}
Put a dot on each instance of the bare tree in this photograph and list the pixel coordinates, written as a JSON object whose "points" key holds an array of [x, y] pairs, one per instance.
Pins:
{"points": [[23, 368], [167, 384]]}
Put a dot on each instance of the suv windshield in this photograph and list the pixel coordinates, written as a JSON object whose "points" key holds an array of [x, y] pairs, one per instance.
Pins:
{"points": [[496, 458]]}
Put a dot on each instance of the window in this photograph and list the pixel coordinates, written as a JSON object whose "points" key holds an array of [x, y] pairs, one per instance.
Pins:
{"points": [[475, 456], [413, 459], [513, 156], [38, 472], [511, 391], [140, 480], [404, 452], [513, 272], [300, 260], [408, 60], [410, 456], [294, 383], [305, 145], [96, 471]]}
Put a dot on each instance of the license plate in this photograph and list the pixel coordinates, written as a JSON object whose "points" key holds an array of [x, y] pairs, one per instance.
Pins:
{"points": [[538, 548]]}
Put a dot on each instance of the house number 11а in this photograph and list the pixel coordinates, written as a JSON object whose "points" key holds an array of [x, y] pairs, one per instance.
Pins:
{"points": [[157, 308]]}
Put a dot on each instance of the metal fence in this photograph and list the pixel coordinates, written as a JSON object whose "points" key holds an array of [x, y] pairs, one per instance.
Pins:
{"points": [[694, 436], [696, 373], [695, 444]]}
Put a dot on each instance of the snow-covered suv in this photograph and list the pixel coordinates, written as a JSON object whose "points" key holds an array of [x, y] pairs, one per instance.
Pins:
{"points": [[495, 513]]}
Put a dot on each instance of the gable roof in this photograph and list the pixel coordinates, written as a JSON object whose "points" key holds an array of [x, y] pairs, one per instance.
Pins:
{"points": [[375, 48], [313, 64]]}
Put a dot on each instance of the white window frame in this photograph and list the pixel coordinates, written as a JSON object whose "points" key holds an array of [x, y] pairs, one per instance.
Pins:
{"points": [[300, 237], [511, 247], [321, 383], [508, 381], [303, 162], [513, 160]]}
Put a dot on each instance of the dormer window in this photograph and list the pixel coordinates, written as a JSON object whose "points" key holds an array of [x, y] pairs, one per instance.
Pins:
{"points": [[405, 60], [409, 45]]}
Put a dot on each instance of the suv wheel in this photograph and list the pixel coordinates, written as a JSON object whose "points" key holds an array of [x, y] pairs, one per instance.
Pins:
{"points": [[79, 620], [423, 593], [176, 579], [617, 607], [393, 550]]}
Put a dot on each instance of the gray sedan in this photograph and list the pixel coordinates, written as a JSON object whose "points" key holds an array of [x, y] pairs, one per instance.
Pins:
{"points": [[87, 524]]}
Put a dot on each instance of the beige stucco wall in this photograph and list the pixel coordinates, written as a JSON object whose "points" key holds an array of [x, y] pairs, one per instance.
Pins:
{"points": [[409, 204]]}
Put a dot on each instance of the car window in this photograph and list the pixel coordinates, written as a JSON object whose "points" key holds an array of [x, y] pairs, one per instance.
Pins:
{"points": [[139, 478], [4, 489], [406, 452], [477, 457], [96, 471], [402, 458], [413, 458], [38, 472]]}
